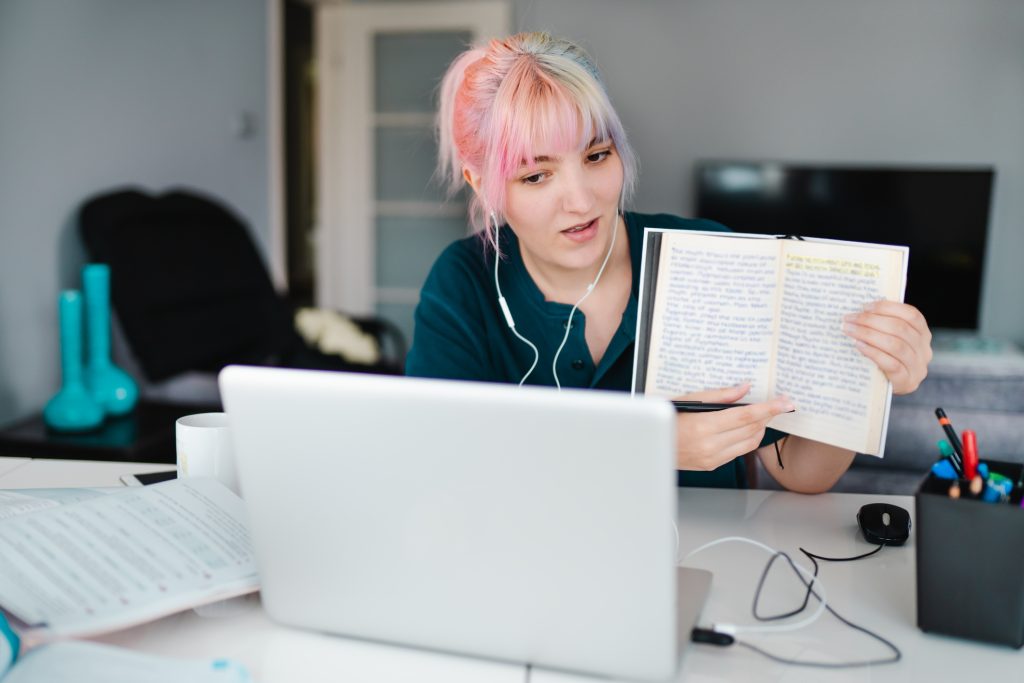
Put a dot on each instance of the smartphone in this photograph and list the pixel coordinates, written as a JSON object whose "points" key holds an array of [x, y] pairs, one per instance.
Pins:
{"points": [[148, 478]]}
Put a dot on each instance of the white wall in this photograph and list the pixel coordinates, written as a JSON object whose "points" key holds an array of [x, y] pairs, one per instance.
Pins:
{"points": [[99, 93], [890, 81]]}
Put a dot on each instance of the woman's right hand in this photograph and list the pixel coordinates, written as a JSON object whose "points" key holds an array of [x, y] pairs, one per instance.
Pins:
{"points": [[705, 441]]}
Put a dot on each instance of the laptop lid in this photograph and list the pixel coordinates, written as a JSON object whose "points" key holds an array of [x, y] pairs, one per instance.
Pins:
{"points": [[521, 524]]}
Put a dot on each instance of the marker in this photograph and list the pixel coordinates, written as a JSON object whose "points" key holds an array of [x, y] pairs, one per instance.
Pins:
{"points": [[943, 469], [944, 448], [957, 457], [970, 454], [997, 488], [702, 407], [976, 486]]}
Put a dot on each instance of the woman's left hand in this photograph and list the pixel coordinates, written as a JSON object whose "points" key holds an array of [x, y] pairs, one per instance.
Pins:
{"points": [[896, 337]]}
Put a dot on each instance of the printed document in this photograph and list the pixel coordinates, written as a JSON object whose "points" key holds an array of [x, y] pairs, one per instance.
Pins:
{"points": [[116, 560]]}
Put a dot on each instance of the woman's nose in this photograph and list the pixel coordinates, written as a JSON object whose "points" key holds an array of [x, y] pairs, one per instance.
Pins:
{"points": [[579, 196]]}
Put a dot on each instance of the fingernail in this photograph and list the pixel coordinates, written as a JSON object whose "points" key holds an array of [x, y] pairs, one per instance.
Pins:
{"points": [[850, 317], [847, 328]]}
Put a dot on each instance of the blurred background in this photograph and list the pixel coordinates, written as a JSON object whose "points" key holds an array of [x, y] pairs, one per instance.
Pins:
{"points": [[311, 122]]}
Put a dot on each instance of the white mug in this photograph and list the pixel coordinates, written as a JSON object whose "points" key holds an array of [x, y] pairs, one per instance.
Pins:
{"points": [[204, 448]]}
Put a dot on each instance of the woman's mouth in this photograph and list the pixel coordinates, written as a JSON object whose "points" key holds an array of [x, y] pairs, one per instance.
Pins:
{"points": [[581, 233]]}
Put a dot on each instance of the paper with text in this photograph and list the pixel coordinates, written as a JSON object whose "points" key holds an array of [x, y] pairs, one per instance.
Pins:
{"points": [[731, 308], [14, 502], [118, 560]]}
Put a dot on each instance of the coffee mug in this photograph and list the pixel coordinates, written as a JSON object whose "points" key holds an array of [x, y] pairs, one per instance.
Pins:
{"points": [[204, 448]]}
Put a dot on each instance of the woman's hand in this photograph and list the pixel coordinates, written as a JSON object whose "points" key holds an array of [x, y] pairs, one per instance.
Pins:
{"points": [[896, 337], [705, 441]]}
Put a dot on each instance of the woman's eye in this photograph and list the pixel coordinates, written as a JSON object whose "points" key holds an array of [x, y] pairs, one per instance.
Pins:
{"points": [[533, 179], [595, 157]]}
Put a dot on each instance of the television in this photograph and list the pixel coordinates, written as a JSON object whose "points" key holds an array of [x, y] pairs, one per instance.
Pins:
{"points": [[941, 213]]}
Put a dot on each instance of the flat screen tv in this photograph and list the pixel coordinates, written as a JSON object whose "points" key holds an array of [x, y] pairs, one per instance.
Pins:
{"points": [[940, 213]]}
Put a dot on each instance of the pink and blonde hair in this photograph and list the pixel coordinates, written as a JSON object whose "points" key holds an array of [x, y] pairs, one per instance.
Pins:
{"points": [[516, 98]]}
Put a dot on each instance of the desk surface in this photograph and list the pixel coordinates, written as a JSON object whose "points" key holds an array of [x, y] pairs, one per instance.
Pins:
{"points": [[877, 593]]}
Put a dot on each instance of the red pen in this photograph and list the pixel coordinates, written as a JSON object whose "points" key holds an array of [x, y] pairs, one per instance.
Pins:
{"points": [[970, 453]]}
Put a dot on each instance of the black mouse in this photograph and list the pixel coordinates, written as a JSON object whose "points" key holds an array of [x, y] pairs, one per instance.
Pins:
{"points": [[884, 524]]}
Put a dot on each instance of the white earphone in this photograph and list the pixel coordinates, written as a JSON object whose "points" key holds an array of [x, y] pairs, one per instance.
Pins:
{"points": [[568, 326]]}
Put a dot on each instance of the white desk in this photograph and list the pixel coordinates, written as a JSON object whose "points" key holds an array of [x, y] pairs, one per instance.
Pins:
{"points": [[877, 592]]}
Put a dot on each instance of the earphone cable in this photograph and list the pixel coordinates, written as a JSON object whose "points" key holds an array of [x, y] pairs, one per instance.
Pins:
{"points": [[590, 288], [568, 325], [504, 305]]}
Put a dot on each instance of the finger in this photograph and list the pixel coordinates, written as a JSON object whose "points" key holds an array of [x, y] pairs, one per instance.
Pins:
{"points": [[715, 450], [895, 371], [905, 312], [734, 443], [755, 413], [724, 395], [891, 343]]}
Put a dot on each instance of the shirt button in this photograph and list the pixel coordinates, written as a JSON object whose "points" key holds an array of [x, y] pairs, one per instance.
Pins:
{"points": [[577, 364]]}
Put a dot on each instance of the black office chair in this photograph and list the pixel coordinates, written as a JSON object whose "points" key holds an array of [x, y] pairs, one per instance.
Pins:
{"points": [[192, 293]]}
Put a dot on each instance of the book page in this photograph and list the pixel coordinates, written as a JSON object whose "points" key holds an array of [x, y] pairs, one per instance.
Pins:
{"points": [[125, 558], [714, 314], [841, 397], [14, 502]]}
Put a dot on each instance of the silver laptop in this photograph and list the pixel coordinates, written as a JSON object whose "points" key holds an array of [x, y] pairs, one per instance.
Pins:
{"points": [[520, 524]]}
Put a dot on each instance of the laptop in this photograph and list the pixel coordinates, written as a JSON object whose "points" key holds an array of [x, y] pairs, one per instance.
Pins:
{"points": [[519, 524]]}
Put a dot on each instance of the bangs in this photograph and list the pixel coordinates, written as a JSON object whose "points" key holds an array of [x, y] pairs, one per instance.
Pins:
{"points": [[545, 108]]}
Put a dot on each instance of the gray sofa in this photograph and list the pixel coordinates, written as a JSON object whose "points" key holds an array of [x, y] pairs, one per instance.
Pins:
{"points": [[979, 391]]}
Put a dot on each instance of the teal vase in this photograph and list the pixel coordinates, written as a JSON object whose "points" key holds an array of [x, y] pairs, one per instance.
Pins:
{"points": [[111, 387], [73, 409]]}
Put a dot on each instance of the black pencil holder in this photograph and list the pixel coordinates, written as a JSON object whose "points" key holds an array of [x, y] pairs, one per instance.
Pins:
{"points": [[970, 562]]}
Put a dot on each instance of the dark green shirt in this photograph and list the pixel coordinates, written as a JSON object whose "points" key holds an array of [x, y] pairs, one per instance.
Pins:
{"points": [[462, 334]]}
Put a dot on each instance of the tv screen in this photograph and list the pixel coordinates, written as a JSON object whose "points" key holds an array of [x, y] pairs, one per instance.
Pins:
{"points": [[940, 213]]}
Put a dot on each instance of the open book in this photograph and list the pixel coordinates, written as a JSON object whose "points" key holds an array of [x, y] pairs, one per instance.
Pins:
{"points": [[106, 562], [718, 309]]}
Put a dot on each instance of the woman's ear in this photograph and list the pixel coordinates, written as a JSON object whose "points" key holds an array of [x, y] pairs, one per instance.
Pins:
{"points": [[472, 179]]}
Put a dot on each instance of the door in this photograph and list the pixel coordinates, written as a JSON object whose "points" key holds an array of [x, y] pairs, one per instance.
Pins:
{"points": [[382, 218]]}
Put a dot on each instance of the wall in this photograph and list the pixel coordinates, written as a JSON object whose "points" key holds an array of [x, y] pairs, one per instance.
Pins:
{"points": [[99, 93], [916, 81]]}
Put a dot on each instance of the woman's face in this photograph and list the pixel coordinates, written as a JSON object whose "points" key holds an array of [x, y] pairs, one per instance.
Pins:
{"points": [[563, 208]]}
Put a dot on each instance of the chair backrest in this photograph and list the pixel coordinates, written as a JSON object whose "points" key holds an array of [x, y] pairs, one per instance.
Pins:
{"points": [[188, 286]]}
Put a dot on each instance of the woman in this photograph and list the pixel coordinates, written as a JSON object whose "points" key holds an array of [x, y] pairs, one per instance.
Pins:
{"points": [[550, 296]]}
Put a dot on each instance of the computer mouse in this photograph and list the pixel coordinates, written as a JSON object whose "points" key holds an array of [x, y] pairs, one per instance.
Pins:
{"points": [[884, 524]]}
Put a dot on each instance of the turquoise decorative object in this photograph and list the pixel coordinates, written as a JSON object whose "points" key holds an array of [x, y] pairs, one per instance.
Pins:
{"points": [[111, 387], [73, 409]]}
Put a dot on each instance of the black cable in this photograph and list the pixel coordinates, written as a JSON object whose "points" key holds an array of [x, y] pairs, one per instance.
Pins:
{"points": [[897, 655], [807, 595]]}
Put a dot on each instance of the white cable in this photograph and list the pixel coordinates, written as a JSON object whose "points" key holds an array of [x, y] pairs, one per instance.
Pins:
{"points": [[733, 629], [509, 320], [590, 288]]}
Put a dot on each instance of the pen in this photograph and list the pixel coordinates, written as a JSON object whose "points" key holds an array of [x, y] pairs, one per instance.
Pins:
{"points": [[957, 457], [702, 407], [970, 454]]}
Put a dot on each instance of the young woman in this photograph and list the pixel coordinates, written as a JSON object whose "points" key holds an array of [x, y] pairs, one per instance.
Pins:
{"points": [[549, 296]]}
